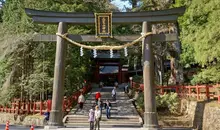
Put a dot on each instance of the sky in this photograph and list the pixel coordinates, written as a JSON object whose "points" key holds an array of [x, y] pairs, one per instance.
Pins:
{"points": [[120, 4]]}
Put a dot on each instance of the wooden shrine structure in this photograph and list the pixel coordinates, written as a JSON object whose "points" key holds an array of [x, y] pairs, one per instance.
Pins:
{"points": [[62, 19]]}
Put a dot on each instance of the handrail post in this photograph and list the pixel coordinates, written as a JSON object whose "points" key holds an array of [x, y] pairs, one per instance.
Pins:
{"points": [[34, 107], [207, 92], [177, 90], [14, 106], [19, 106], [189, 91], [198, 92], [218, 98], [28, 107], [41, 107]]}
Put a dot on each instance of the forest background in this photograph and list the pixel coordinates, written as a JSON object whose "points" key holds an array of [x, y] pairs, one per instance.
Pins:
{"points": [[27, 67]]}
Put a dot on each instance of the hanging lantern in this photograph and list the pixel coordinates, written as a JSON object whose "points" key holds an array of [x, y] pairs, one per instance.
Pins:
{"points": [[81, 51], [94, 53], [126, 51], [111, 53]]}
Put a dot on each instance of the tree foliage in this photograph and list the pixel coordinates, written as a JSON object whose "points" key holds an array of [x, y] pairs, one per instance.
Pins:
{"points": [[32, 63], [200, 37]]}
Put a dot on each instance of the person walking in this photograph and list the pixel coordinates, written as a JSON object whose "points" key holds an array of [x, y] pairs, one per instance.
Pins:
{"points": [[81, 101], [100, 104], [108, 108], [97, 96], [91, 118], [114, 94], [134, 99], [97, 117]]}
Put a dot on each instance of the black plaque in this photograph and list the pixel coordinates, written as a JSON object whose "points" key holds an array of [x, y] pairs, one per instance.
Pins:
{"points": [[103, 22]]}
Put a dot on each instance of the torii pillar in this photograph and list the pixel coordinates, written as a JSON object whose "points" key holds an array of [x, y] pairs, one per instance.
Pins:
{"points": [[150, 114], [56, 114]]}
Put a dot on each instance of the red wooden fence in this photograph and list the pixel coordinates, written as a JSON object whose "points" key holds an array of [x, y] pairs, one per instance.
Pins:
{"points": [[19, 107], [198, 91]]}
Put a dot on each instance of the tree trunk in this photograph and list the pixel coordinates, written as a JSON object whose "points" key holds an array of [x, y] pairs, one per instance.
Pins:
{"points": [[172, 79], [177, 70]]}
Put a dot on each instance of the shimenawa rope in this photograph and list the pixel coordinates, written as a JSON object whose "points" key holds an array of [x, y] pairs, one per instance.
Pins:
{"points": [[103, 47]]}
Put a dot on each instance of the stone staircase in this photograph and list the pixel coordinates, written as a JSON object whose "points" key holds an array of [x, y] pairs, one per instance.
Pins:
{"points": [[123, 113]]}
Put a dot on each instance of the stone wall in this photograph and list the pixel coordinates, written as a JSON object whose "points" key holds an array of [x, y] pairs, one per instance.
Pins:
{"points": [[37, 120], [211, 118], [15, 119], [203, 115], [188, 107], [12, 118]]}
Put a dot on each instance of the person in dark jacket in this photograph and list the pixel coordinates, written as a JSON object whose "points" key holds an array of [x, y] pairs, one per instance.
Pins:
{"points": [[47, 115], [108, 108]]}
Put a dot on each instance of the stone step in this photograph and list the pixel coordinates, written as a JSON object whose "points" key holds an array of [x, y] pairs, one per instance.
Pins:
{"points": [[103, 113], [106, 122], [91, 102], [108, 98], [115, 117], [104, 118], [103, 125], [123, 112]]}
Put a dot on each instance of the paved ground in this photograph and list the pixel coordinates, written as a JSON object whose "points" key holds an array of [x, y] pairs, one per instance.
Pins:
{"points": [[12, 127], [2, 127], [121, 129]]}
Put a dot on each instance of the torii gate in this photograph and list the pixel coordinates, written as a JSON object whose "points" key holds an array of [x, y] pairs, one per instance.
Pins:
{"points": [[146, 18]]}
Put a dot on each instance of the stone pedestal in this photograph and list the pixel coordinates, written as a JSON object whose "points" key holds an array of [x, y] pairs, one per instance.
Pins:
{"points": [[151, 129], [52, 127]]}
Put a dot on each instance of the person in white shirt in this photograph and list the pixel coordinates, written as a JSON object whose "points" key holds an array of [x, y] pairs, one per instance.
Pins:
{"points": [[97, 117], [114, 93], [81, 100]]}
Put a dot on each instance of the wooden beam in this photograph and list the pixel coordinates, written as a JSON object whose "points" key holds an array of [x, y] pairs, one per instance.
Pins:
{"points": [[121, 20], [92, 38], [50, 17], [33, 12]]}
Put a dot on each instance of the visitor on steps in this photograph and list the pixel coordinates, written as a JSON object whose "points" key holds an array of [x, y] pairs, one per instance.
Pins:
{"points": [[108, 108], [114, 94], [101, 84], [81, 101], [47, 115], [91, 118], [97, 117], [100, 104], [134, 99], [116, 84], [126, 88], [97, 96]]}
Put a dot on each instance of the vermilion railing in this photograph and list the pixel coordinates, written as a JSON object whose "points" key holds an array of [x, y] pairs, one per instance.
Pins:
{"points": [[28, 107], [198, 91]]}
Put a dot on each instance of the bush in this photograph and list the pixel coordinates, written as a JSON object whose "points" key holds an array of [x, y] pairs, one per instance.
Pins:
{"points": [[138, 79], [168, 101]]}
